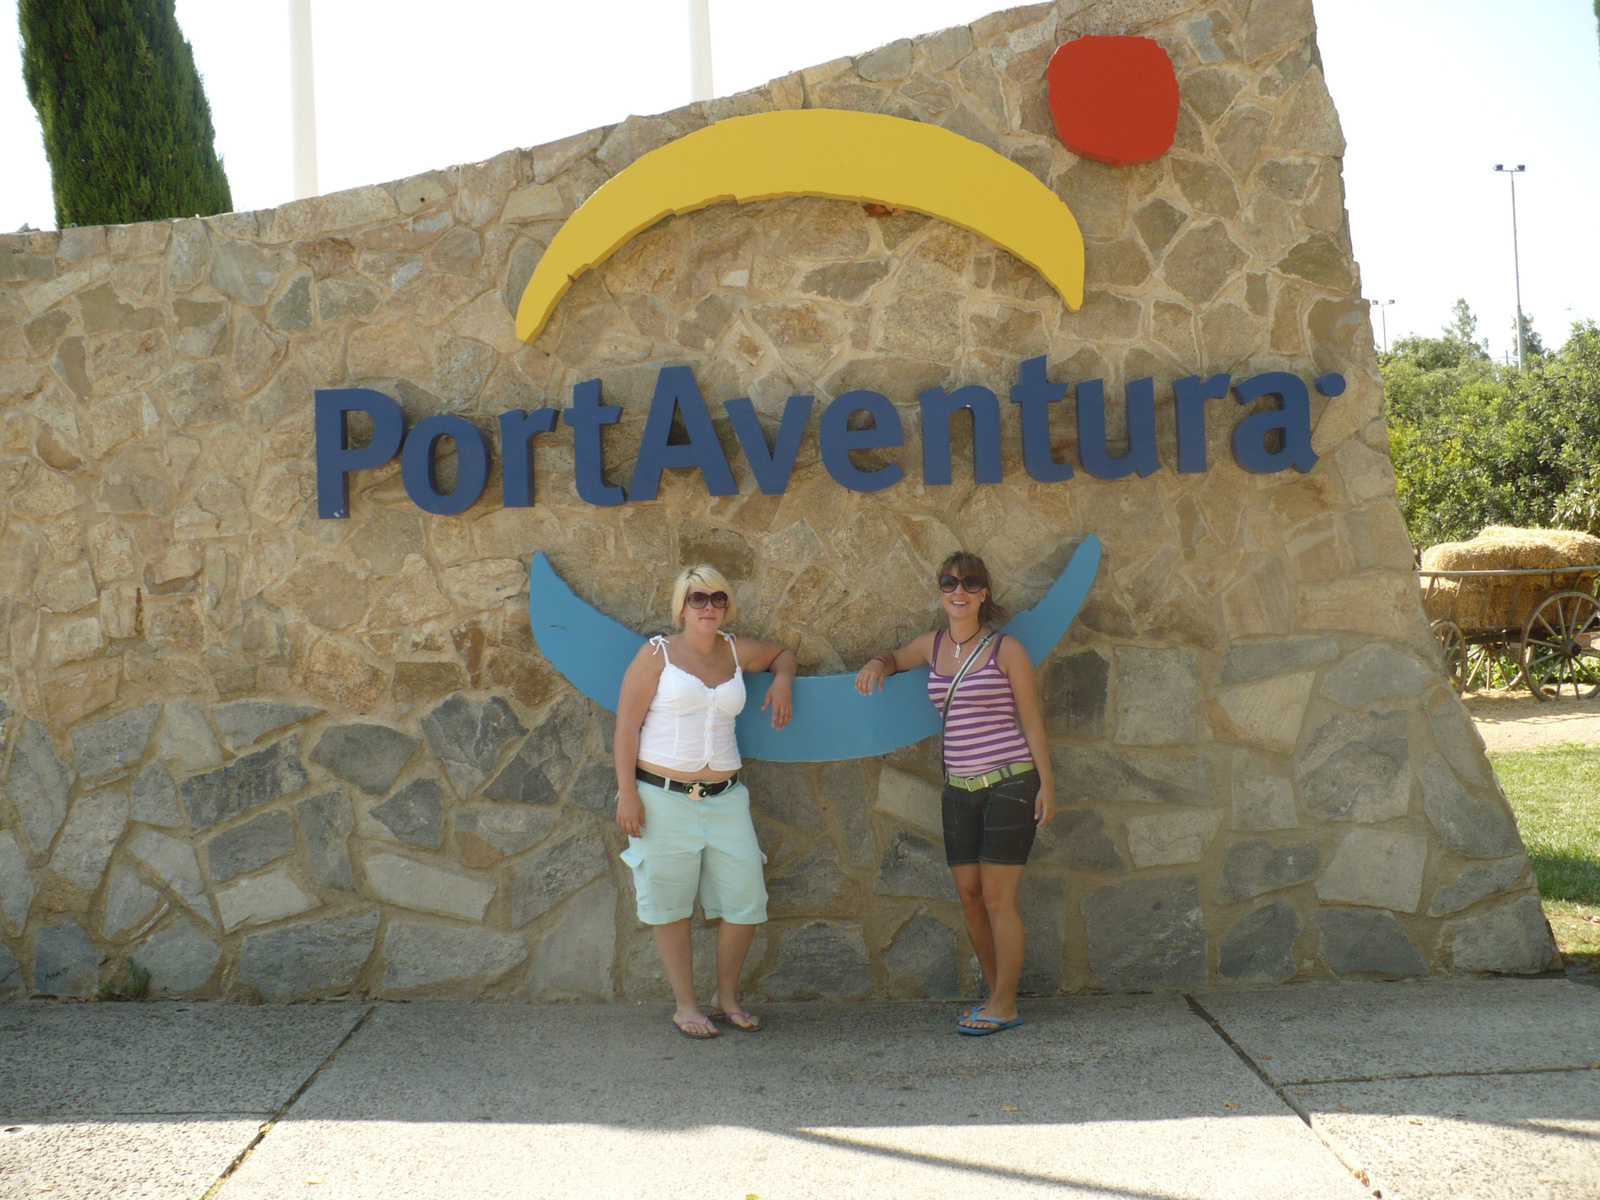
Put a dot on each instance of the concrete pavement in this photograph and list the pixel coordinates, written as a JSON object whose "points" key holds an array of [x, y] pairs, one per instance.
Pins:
{"points": [[1434, 1089]]}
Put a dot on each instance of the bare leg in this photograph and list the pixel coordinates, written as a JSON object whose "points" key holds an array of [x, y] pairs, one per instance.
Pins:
{"points": [[969, 885], [677, 956], [733, 945], [999, 887]]}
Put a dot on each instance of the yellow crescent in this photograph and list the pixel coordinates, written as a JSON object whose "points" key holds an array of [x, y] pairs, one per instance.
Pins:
{"points": [[865, 157]]}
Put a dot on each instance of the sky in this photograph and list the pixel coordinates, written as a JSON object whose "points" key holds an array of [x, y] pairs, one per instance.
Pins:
{"points": [[1432, 93]]}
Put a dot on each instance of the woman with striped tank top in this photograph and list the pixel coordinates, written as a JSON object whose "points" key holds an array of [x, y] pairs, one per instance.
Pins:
{"points": [[999, 790]]}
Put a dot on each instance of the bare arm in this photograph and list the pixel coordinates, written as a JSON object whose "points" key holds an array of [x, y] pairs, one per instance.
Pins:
{"points": [[638, 690], [918, 653], [1014, 661], [780, 660]]}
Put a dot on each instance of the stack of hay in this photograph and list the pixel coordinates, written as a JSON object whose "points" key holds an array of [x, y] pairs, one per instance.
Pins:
{"points": [[1484, 602]]}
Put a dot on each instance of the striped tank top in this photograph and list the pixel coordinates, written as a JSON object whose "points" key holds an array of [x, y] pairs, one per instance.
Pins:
{"points": [[982, 732]]}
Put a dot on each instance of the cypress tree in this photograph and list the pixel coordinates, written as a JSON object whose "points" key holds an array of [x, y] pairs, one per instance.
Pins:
{"points": [[127, 127]]}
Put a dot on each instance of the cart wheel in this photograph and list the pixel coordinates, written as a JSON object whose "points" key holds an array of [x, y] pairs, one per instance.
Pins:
{"points": [[1561, 647], [1453, 645]]}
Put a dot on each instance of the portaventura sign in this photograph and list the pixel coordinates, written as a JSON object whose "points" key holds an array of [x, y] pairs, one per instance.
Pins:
{"points": [[1274, 439]]}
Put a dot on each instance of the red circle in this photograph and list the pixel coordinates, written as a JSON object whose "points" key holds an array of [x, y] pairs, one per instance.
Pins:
{"points": [[1115, 99]]}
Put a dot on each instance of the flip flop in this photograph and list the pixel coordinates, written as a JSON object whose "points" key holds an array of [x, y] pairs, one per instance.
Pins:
{"points": [[687, 1031], [993, 1026], [727, 1018]]}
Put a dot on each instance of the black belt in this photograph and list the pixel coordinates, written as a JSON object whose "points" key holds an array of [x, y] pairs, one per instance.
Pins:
{"points": [[695, 791]]}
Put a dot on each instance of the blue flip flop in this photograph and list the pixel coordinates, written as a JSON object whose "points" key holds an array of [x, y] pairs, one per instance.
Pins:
{"points": [[993, 1025]]}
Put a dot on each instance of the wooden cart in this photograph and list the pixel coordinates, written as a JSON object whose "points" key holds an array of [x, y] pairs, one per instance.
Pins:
{"points": [[1542, 623]]}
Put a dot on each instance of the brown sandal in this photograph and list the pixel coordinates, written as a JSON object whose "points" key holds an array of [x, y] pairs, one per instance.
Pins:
{"points": [[707, 1029], [732, 1018]]}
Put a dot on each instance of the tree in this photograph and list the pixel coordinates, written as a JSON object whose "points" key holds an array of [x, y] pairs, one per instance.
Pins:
{"points": [[126, 124], [1532, 343]]}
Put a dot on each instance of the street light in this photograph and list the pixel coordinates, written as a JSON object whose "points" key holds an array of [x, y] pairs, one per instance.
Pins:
{"points": [[1383, 315], [700, 50], [1516, 264]]}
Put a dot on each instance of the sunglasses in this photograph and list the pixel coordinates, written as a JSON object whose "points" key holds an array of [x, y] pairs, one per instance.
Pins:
{"points": [[971, 584], [715, 599]]}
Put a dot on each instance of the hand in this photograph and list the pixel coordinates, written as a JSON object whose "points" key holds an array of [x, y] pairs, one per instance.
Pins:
{"points": [[1044, 805], [870, 678], [780, 699], [630, 814]]}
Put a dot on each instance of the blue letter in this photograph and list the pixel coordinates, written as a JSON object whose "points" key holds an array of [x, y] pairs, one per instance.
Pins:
{"points": [[838, 439], [586, 416], [1140, 398], [417, 464], [1191, 393], [772, 469], [336, 458], [937, 409], [676, 391], [517, 431], [1292, 419], [1036, 394]]}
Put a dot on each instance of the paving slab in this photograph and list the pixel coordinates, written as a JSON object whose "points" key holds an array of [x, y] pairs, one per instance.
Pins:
{"points": [[116, 1158], [1318, 1032], [1111, 1096], [1496, 1137]]}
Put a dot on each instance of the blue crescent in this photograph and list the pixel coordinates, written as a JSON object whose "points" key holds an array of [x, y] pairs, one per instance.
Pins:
{"points": [[831, 719]]}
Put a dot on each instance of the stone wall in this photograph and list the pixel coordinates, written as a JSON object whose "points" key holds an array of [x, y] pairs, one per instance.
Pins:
{"points": [[266, 755]]}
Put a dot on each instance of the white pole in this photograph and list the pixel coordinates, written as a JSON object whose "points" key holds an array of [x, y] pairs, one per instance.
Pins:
{"points": [[302, 100], [700, 50]]}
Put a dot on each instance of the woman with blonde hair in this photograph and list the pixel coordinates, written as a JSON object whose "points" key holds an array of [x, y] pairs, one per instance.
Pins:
{"points": [[679, 798], [999, 788]]}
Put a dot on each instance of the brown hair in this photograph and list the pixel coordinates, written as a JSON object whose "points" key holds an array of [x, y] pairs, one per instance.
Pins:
{"points": [[970, 566]]}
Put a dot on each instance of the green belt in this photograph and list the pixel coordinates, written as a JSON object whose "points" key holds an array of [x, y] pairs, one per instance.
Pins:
{"points": [[973, 783]]}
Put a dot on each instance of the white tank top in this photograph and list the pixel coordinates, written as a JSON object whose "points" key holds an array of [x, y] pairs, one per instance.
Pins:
{"points": [[690, 725]]}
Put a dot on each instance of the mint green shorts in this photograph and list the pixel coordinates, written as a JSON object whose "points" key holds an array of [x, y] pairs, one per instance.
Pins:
{"points": [[705, 846]]}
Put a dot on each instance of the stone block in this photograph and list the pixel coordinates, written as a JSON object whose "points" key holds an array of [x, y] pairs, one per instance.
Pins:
{"points": [[241, 722], [575, 959], [180, 958], [544, 763], [1374, 672], [1072, 693], [595, 789], [418, 885], [313, 958], [1156, 696], [262, 899], [1089, 776], [1266, 713], [107, 747], [326, 821], [1472, 826], [844, 786], [1376, 867], [369, 756], [1357, 767], [175, 864], [809, 883], [186, 740], [1079, 838], [547, 876], [783, 792], [38, 785], [415, 814], [1259, 947], [486, 832], [1163, 838], [824, 960], [65, 962], [246, 272], [910, 800], [468, 735], [1475, 883], [922, 960], [129, 902], [1513, 939], [915, 867], [11, 983], [1358, 941], [153, 797], [1259, 866], [87, 838], [1459, 742], [428, 955], [1263, 795], [253, 844], [247, 782], [1043, 903], [340, 673], [16, 885], [1147, 933]]}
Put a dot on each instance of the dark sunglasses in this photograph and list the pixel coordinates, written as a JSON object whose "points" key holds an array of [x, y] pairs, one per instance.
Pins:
{"points": [[971, 584], [715, 599]]}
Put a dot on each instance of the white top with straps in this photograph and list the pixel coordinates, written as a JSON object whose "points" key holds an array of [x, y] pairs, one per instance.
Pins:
{"points": [[690, 724]]}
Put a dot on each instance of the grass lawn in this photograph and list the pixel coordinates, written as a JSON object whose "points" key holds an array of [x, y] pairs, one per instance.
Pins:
{"points": [[1556, 794]]}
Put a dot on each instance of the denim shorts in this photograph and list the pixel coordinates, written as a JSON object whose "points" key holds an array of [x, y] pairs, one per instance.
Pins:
{"points": [[993, 824], [706, 847]]}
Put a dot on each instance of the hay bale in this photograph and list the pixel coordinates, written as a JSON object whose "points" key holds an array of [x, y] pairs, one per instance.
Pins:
{"points": [[1491, 602], [1505, 548]]}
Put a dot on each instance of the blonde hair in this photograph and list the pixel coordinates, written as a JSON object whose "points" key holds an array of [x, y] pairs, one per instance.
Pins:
{"points": [[709, 579]]}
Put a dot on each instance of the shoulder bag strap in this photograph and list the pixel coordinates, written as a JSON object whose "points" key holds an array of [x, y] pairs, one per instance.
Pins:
{"points": [[974, 657]]}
